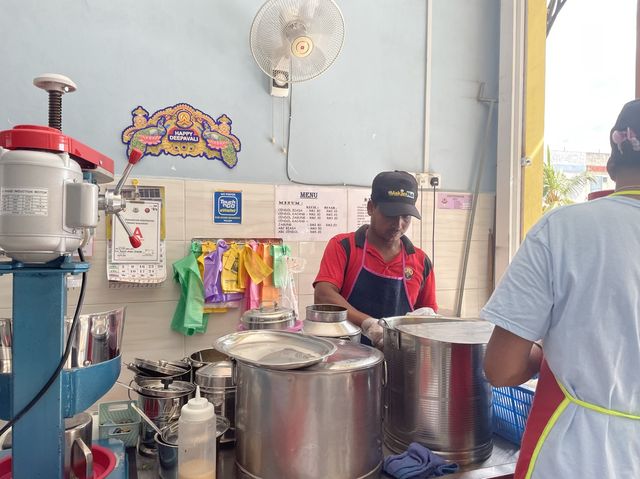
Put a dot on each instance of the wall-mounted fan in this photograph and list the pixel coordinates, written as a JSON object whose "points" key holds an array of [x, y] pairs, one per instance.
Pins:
{"points": [[296, 40]]}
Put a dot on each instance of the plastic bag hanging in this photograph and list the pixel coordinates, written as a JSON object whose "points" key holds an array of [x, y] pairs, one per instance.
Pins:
{"points": [[293, 265]]}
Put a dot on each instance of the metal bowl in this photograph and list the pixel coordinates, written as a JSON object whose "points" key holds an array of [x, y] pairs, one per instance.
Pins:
{"points": [[98, 338]]}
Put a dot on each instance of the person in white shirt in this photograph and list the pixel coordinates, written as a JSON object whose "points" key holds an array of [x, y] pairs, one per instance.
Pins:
{"points": [[574, 287]]}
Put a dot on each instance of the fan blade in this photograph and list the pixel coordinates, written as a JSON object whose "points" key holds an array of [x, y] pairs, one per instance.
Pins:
{"points": [[291, 9], [309, 10], [309, 67]]}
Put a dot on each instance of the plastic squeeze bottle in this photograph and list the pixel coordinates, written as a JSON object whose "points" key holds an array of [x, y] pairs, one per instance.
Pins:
{"points": [[197, 439]]}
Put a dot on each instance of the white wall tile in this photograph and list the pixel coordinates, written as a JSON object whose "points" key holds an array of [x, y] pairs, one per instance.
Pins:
{"points": [[99, 292], [219, 324]]}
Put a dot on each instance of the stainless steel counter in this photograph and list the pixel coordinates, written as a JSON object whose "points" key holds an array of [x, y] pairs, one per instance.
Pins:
{"points": [[501, 464]]}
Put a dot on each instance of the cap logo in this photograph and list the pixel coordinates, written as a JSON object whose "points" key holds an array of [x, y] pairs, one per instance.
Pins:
{"points": [[402, 194]]}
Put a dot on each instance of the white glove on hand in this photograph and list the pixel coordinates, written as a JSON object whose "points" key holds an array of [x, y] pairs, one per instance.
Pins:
{"points": [[422, 312], [372, 330]]}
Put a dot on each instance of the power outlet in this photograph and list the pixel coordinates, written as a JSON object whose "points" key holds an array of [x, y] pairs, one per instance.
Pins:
{"points": [[435, 180], [429, 180]]}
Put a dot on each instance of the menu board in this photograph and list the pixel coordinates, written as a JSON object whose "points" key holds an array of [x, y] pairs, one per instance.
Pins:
{"points": [[310, 213], [358, 215]]}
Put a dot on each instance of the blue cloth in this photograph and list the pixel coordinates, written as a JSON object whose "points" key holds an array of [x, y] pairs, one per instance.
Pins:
{"points": [[417, 462]]}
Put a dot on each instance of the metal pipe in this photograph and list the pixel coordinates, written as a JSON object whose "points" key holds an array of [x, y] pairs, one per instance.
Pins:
{"points": [[474, 199]]}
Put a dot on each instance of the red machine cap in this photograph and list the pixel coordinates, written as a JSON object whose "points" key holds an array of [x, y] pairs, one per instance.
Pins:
{"points": [[35, 137]]}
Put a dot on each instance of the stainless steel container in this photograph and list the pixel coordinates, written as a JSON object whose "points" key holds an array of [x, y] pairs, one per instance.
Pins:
{"points": [[204, 357], [330, 321], [97, 339], [216, 384], [323, 421], [5, 345], [436, 392], [275, 317], [161, 400], [77, 443], [77, 430]]}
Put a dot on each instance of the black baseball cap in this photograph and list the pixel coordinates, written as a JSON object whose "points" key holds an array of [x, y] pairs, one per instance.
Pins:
{"points": [[395, 193]]}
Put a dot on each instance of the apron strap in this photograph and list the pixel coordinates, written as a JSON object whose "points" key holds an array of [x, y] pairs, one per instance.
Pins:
{"points": [[626, 192], [594, 407]]}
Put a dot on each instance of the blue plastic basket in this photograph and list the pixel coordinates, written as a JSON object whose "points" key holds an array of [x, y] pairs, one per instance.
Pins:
{"points": [[511, 406]]}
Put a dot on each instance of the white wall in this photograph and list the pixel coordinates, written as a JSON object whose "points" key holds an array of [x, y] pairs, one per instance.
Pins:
{"points": [[364, 115]]}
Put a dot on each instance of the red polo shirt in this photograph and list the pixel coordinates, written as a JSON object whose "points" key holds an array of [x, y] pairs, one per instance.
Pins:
{"points": [[421, 286]]}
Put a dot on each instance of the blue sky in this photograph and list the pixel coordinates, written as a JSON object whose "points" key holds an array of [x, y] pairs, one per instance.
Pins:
{"points": [[590, 72]]}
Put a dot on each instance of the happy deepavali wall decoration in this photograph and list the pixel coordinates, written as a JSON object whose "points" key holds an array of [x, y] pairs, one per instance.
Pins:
{"points": [[182, 130]]}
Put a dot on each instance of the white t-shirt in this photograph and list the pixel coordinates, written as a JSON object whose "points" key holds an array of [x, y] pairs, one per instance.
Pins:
{"points": [[575, 283]]}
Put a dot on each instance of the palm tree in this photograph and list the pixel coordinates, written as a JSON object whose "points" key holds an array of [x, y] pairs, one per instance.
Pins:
{"points": [[559, 189]]}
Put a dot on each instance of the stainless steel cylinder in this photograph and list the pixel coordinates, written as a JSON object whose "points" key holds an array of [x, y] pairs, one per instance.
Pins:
{"points": [[330, 321], [162, 404], [77, 427], [320, 422], [436, 393], [217, 386]]}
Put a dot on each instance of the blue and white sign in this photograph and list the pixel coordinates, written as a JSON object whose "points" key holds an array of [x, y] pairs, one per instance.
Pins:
{"points": [[227, 207]]}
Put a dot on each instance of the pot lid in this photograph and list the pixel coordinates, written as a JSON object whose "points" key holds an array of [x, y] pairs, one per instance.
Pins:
{"points": [[461, 332], [349, 356], [161, 366], [275, 349], [339, 329], [264, 313], [162, 387]]}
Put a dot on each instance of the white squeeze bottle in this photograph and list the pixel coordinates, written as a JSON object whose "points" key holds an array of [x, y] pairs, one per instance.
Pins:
{"points": [[197, 439]]}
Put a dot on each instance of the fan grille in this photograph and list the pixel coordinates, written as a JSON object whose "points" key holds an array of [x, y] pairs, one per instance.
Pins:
{"points": [[314, 27]]}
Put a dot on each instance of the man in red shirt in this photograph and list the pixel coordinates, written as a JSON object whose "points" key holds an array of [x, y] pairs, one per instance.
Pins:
{"points": [[376, 271]]}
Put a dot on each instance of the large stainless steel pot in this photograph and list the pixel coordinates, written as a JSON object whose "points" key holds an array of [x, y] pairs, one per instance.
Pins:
{"points": [[323, 421], [436, 393]]}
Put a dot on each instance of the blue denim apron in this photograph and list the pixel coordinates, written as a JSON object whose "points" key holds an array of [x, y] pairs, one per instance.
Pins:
{"points": [[379, 296]]}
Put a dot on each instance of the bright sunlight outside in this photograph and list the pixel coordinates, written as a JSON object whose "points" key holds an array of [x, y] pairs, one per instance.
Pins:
{"points": [[590, 74]]}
